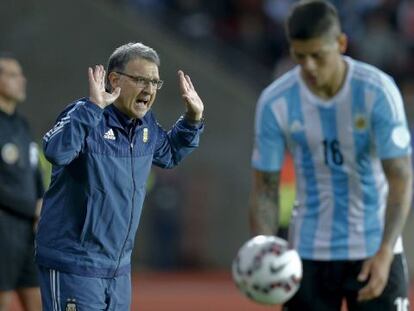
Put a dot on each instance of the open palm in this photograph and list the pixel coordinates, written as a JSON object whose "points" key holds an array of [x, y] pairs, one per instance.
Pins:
{"points": [[97, 92], [194, 104]]}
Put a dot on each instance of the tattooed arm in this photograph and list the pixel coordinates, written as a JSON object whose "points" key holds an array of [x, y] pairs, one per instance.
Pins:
{"points": [[399, 175], [398, 172], [264, 204]]}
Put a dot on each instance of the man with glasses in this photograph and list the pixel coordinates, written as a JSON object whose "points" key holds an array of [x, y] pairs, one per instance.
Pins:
{"points": [[343, 121], [102, 148], [21, 189]]}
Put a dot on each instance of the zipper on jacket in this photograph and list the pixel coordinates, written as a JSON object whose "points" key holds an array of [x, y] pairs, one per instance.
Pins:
{"points": [[131, 150]]}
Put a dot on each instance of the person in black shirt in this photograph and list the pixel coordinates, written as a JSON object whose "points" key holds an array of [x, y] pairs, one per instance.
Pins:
{"points": [[21, 190]]}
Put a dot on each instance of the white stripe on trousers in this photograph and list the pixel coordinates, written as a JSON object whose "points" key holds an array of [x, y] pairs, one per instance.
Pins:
{"points": [[55, 289]]}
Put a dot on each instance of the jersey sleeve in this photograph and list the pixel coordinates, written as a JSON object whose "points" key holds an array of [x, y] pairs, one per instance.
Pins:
{"points": [[269, 141], [391, 134]]}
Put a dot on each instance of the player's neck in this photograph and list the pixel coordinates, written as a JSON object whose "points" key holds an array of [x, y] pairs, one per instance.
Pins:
{"points": [[7, 106], [336, 83]]}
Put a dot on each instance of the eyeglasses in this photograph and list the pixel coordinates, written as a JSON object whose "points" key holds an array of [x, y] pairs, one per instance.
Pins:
{"points": [[142, 81]]}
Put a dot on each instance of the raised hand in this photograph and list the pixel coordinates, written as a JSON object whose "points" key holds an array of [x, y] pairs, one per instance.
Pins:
{"points": [[194, 105], [97, 92]]}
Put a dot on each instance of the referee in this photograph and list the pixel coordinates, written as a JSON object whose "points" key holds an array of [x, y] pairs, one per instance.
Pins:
{"points": [[20, 192]]}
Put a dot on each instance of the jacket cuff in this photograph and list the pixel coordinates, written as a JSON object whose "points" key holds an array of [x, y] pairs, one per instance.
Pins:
{"points": [[192, 124], [94, 108]]}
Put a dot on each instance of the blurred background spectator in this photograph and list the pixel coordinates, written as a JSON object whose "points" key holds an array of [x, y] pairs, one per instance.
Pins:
{"points": [[381, 32]]}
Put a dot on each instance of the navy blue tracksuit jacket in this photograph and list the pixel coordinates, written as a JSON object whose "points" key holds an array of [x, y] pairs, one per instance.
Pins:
{"points": [[101, 161]]}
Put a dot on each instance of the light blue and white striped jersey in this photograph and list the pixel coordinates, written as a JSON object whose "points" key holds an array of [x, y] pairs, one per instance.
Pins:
{"points": [[337, 146]]}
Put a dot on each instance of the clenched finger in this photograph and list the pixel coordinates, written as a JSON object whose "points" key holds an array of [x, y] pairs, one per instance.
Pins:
{"points": [[373, 289]]}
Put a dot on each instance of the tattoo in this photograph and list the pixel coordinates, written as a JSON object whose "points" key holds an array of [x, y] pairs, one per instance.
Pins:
{"points": [[264, 212], [399, 176]]}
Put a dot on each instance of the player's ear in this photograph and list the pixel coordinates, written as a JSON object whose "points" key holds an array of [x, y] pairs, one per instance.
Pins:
{"points": [[292, 53], [342, 43], [113, 80]]}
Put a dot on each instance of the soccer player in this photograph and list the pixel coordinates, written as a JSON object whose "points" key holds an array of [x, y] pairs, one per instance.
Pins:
{"points": [[102, 148], [21, 189], [343, 122]]}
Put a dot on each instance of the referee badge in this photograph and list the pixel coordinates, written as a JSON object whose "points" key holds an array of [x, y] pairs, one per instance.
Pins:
{"points": [[33, 154], [145, 135], [10, 153]]}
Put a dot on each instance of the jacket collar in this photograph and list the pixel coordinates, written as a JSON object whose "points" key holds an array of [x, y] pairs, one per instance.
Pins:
{"points": [[118, 119]]}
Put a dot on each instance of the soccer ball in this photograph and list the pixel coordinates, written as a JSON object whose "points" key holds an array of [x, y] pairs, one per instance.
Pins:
{"points": [[266, 270]]}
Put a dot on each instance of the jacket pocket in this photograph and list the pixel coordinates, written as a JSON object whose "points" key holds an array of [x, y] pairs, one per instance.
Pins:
{"points": [[105, 225], [86, 223], [94, 206]]}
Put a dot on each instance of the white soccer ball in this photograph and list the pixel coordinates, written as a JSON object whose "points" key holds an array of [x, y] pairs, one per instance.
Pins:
{"points": [[266, 270]]}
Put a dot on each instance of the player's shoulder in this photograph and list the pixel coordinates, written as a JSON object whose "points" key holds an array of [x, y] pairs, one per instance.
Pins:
{"points": [[279, 87], [23, 120], [17, 121], [371, 76], [75, 104]]}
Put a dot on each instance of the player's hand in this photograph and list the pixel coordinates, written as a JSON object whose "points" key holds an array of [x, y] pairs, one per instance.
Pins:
{"points": [[97, 93], [194, 105], [376, 271]]}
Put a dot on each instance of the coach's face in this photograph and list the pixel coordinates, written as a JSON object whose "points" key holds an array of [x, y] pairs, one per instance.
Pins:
{"points": [[319, 58], [12, 81], [138, 87]]}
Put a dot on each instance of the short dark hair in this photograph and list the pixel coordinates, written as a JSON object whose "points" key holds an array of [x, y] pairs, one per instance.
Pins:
{"points": [[312, 19], [127, 52]]}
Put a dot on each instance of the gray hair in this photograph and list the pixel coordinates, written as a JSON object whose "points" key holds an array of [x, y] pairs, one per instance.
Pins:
{"points": [[127, 52], [5, 55]]}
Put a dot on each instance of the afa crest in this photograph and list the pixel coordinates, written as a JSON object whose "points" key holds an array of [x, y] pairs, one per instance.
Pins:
{"points": [[145, 135], [360, 123], [71, 305]]}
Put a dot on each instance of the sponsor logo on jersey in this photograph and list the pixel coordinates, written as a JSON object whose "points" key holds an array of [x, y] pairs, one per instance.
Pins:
{"points": [[296, 126], [110, 135]]}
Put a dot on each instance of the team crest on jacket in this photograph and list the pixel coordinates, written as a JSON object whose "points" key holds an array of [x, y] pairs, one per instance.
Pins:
{"points": [[71, 305], [10, 153], [145, 135]]}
